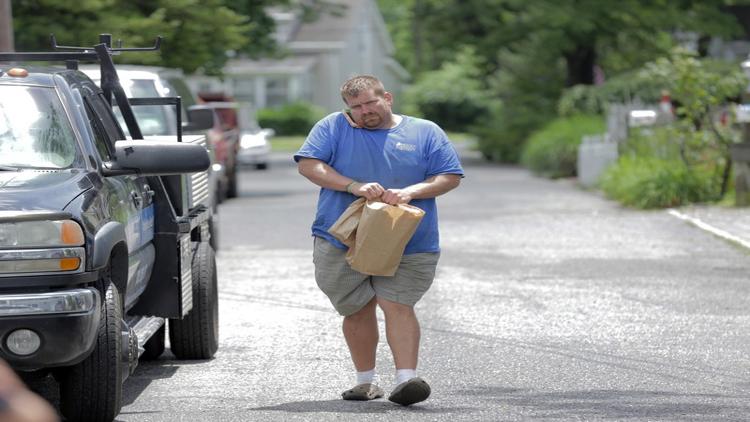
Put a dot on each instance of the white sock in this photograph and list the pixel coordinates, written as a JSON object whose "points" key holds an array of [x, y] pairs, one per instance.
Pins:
{"points": [[367, 377], [403, 375]]}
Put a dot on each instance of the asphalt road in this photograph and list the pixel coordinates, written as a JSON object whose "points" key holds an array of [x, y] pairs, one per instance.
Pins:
{"points": [[550, 303]]}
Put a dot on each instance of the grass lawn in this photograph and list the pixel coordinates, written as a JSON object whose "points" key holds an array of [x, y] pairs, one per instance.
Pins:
{"points": [[286, 143], [292, 143]]}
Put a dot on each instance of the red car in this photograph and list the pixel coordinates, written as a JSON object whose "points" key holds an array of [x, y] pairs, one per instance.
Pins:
{"points": [[225, 139]]}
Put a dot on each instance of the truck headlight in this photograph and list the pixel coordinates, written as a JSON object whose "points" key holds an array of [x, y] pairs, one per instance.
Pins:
{"points": [[41, 247], [40, 234]]}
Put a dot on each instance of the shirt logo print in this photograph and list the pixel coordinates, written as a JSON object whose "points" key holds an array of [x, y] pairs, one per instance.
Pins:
{"points": [[405, 147]]}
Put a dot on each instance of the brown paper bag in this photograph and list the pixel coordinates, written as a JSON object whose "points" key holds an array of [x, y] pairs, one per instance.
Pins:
{"points": [[345, 228], [382, 231]]}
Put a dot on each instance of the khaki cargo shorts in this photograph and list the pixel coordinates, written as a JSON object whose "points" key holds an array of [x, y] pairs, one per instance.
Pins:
{"points": [[349, 290]]}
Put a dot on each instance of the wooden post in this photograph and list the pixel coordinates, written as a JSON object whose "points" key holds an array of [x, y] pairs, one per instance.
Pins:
{"points": [[740, 154], [6, 26]]}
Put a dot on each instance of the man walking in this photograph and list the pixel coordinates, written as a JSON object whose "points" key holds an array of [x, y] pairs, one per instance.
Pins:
{"points": [[370, 152]]}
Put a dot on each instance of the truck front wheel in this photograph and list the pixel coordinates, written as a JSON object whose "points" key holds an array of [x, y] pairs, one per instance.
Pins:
{"points": [[196, 336], [92, 389]]}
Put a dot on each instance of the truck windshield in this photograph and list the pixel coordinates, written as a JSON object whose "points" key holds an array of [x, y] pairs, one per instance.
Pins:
{"points": [[34, 129]]}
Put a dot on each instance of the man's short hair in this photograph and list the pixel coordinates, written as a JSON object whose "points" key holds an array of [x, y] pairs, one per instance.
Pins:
{"points": [[360, 83]]}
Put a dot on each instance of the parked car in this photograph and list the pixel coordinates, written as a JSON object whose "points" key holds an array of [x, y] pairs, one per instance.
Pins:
{"points": [[151, 81], [255, 146], [102, 239], [142, 81], [225, 140]]}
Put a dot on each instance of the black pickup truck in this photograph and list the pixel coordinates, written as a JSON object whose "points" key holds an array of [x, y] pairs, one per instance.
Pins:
{"points": [[103, 239]]}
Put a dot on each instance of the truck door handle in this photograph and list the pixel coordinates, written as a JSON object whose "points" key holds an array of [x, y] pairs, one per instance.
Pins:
{"points": [[149, 192], [137, 199]]}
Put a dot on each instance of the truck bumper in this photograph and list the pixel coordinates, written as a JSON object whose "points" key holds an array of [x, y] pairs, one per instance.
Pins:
{"points": [[65, 322]]}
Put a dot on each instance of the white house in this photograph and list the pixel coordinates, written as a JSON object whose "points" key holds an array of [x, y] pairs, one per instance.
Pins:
{"points": [[321, 55]]}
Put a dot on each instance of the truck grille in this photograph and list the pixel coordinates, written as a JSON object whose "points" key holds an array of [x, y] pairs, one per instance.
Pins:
{"points": [[197, 189], [186, 274]]}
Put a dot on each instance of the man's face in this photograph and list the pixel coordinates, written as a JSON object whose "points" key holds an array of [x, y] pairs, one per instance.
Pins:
{"points": [[370, 110]]}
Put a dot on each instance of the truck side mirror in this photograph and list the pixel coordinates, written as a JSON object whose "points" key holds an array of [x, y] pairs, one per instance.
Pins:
{"points": [[157, 158], [199, 118]]}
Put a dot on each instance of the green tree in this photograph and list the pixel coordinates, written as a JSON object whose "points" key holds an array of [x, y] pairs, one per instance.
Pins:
{"points": [[198, 34], [615, 35], [700, 87], [453, 96], [533, 49]]}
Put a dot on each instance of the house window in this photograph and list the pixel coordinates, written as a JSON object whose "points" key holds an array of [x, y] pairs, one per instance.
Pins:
{"points": [[276, 91], [305, 87], [205, 87], [244, 89]]}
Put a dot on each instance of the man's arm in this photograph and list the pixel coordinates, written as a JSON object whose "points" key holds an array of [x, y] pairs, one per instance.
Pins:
{"points": [[327, 177], [19, 404], [430, 188]]}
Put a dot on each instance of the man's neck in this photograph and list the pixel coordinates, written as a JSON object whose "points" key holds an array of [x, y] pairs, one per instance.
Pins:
{"points": [[395, 120]]}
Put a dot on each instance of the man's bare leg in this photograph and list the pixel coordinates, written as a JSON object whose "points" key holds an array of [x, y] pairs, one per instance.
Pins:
{"points": [[402, 332], [361, 334]]}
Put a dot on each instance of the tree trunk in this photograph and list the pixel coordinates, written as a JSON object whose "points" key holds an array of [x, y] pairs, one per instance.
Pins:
{"points": [[725, 178], [6, 26], [580, 64], [417, 36]]}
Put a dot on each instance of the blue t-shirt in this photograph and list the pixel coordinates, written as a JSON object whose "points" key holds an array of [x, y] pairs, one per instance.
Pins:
{"points": [[409, 153]]}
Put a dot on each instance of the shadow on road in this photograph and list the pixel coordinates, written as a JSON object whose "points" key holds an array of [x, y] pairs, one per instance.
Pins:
{"points": [[149, 371], [247, 298], [343, 406], [612, 404], [643, 366]]}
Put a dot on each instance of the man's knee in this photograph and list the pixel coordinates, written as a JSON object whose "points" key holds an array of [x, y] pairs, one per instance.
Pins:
{"points": [[366, 312], [391, 308]]}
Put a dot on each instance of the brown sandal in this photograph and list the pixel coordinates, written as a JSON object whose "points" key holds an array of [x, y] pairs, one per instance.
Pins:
{"points": [[413, 391], [363, 392]]}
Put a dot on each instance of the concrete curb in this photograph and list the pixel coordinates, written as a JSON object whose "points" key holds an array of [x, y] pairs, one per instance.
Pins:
{"points": [[709, 228]]}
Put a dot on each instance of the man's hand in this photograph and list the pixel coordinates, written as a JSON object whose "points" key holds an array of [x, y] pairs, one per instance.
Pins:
{"points": [[370, 191], [396, 196], [19, 404]]}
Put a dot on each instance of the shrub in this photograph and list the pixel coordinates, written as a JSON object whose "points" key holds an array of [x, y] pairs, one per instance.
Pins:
{"points": [[623, 88], [553, 150], [696, 84], [497, 142], [290, 119], [525, 90], [452, 96], [650, 182], [701, 88]]}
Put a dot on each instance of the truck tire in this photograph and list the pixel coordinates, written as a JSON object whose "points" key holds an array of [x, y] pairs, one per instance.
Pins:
{"points": [[154, 346], [213, 231], [196, 336], [92, 389]]}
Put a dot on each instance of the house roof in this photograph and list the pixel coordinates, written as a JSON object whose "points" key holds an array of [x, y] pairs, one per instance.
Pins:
{"points": [[334, 25], [288, 65]]}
